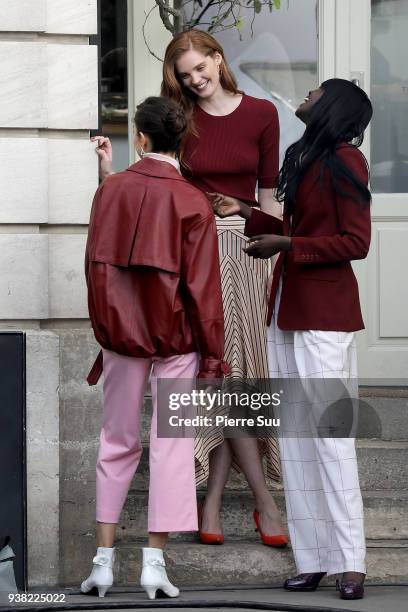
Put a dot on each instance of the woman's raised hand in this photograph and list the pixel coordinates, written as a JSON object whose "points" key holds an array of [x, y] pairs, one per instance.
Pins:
{"points": [[224, 206], [104, 151]]}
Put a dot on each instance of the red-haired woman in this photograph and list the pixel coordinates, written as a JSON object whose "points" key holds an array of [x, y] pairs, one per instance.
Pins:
{"points": [[232, 146]]}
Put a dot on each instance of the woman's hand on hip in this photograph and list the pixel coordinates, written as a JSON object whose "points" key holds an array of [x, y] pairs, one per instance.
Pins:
{"points": [[104, 151], [267, 245]]}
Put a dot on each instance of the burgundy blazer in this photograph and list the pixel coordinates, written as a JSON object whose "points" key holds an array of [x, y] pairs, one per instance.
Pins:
{"points": [[319, 288]]}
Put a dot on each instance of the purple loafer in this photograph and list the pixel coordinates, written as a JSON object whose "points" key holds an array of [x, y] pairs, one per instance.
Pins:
{"points": [[304, 582], [350, 589]]}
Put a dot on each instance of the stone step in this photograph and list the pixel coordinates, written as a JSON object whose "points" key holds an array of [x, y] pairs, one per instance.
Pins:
{"points": [[383, 465], [386, 516], [382, 417], [247, 563], [383, 414]]}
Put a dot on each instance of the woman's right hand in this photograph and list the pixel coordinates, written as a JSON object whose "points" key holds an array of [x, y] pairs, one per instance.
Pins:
{"points": [[104, 151], [224, 206]]}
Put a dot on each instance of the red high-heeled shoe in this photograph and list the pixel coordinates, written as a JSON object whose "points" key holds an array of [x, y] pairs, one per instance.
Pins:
{"points": [[205, 537], [278, 541]]}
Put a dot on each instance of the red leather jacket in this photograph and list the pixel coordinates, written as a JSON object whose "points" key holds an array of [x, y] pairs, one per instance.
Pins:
{"points": [[152, 268], [328, 230]]}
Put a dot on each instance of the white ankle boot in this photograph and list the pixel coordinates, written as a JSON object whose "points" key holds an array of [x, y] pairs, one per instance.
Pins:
{"points": [[154, 575], [101, 576]]}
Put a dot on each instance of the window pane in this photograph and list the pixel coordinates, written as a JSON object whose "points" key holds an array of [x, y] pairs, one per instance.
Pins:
{"points": [[114, 79], [279, 61], [389, 90]]}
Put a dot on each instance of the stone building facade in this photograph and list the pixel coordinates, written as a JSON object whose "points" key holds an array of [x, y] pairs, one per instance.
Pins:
{"points": [[48, 174]]}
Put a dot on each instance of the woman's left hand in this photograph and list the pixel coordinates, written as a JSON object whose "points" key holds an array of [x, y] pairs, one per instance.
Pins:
{"points": [[267, 245]]}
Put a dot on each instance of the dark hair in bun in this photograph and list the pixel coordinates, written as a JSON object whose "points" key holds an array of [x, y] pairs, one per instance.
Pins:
{"points": [[163, 121]]}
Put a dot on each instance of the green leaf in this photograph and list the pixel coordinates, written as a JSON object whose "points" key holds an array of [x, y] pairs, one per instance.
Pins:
{"points": [[257, 6], [277, 3], [239, 24]]}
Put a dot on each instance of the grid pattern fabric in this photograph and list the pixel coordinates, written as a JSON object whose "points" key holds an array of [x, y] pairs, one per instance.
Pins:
{"points": [[323, 499]]}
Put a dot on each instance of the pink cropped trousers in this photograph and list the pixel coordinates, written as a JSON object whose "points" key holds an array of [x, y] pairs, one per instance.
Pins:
{"points": [[172, 490]]}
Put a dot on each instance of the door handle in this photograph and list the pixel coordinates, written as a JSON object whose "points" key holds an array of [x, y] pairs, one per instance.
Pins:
{"points": [[357, 77]]}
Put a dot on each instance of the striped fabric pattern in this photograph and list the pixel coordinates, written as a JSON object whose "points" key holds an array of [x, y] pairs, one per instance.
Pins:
{"points": [[243, 282]]}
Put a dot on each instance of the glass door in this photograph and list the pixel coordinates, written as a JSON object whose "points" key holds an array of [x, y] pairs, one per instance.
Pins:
{"points": [[114, 79], [270, 60], [389, 181], [389, 91], [374, 49]]}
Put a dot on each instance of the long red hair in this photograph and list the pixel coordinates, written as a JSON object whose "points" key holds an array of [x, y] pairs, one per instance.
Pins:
{"points": [[172, 86]]}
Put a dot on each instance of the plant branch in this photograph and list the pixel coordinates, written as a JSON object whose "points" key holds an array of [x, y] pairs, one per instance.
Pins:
{"points": [[165, 5], [201, 15], [225, 15], [221, 17], [179, 19], [165, 11], [144, 35]]}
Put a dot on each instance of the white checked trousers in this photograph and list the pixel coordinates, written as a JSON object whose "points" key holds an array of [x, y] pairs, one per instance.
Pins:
{"points": [[323, 499]]}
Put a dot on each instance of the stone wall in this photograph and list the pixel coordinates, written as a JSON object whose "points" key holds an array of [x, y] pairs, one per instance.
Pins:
{"points": [[48, 174]]}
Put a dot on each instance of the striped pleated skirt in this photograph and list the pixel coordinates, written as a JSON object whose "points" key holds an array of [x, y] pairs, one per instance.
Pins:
{"points": [[244, 281]]}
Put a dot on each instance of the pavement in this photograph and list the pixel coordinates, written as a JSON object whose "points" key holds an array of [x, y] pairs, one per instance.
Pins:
{"points": [[378, 598]]}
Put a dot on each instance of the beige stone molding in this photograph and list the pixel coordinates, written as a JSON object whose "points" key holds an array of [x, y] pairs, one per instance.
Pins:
{"points": [[51, 16]]}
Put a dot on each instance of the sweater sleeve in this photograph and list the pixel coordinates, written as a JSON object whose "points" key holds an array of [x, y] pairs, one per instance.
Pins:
{"points": [[353, 239], [202, 282], [268, 168]]}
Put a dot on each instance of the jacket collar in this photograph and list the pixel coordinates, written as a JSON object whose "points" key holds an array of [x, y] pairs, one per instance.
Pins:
{"points": [[156, 168]]}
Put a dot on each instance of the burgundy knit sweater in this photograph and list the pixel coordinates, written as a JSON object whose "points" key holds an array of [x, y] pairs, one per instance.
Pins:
{"points": [[233, 152]]}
